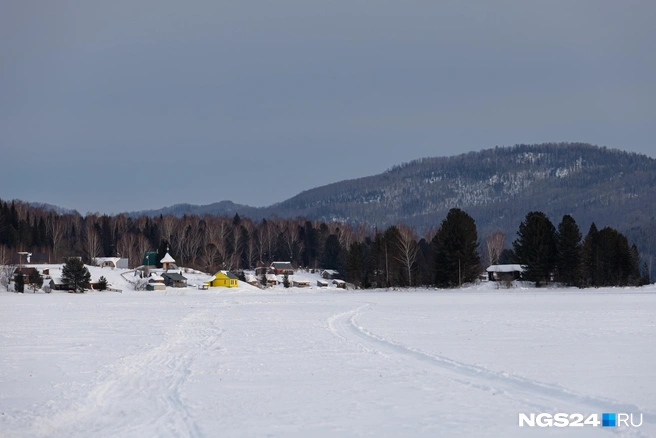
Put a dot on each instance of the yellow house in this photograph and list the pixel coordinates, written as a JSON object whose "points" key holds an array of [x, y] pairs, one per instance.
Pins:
{"points": [[223, 279]]}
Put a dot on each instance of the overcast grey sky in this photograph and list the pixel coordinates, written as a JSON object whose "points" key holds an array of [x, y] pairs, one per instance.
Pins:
{"points": [[135, 104]]}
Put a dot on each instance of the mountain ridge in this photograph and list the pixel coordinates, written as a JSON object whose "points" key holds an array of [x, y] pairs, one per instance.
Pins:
{"points": [[497, 186]]}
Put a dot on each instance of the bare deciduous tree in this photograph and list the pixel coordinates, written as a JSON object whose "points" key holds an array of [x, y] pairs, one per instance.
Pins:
{"points": [[495, 243], [6, 267], [408, 249], [92, 242]]}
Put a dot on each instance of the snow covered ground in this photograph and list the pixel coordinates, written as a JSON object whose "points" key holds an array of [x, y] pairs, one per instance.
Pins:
{"points": [[298, 362]]}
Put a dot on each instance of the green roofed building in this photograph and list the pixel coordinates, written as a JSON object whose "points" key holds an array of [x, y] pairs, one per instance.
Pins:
{"points": [[150, 259]]}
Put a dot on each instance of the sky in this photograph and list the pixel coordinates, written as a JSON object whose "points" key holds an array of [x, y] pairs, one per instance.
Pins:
{"points": [[136, 104]]}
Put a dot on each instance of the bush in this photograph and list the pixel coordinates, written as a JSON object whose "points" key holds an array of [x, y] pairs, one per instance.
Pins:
{"points": [[102, 283]]}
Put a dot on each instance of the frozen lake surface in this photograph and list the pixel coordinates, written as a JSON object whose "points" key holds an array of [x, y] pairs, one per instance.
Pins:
{"points": [[313, 364]]}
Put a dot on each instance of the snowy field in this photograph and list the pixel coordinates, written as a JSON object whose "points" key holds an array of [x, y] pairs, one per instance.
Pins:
{"points": [[312, 363]]}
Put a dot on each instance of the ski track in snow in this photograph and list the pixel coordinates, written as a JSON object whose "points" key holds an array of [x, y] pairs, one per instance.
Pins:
{"points": [[149, 383], [539, 395]]}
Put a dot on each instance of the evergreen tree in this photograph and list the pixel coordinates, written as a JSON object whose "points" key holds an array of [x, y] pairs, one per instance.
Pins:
{"points": [[19, 282], [590, 257], [36, 280], [355, 265], [535, 247], [332, 254], [456, 250], [76, 275], [568, 244], [285, 281], [507, 257], [102, 283]]}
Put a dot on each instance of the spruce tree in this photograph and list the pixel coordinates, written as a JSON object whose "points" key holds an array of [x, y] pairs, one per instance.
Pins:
{"points": [[19, 282], [76, 275], [102, 283], [590, 257], [568, 244], [535, 247], [36, 280], [456, 250]]}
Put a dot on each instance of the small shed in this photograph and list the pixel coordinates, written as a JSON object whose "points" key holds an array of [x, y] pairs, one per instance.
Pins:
{"points": [[271, 280], [282, 268], [504, 272], [174, 279], [156, 282], [56, 283], [322, 283], [329, 274], [300, 283], [251, 279], [341, 284]]}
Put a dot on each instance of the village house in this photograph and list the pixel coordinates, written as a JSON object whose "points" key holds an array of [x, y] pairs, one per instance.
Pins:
{"points": [[174, 279], [281, 268], [504, 272], [222, 279], [329, 274]]}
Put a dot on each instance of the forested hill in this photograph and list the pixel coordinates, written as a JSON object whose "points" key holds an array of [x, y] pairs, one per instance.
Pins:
{"points": [[496, 186]]}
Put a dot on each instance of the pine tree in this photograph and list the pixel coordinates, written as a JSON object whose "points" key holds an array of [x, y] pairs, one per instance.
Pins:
{"points": [[19, 282], [355, 265], [568, 244], [456, 250], [590, 257], [76, 275], [535, 247], [285, 281], [102, 283], [36, 280]]}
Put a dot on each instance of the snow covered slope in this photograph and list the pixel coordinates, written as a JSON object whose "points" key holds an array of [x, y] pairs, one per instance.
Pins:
{"points": [[245, 362]]}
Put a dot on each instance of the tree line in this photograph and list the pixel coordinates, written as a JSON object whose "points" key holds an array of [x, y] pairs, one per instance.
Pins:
{"points": [[448, 255]]}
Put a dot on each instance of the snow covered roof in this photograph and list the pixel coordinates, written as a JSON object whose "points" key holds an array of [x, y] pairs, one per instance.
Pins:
{"points": [[229, 274], [250, 277], [101, 260], [174, 276], [271, 277], [329, 271], [156, 278], [167, 259], [282, 265], [505, 268]]}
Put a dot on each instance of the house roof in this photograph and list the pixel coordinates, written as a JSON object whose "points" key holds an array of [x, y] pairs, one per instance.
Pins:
{"points": [[226, 273], [230, 275], [174, 276], [282, 265], [271, 277], [505, 268], [167, 259], [330, 271]]}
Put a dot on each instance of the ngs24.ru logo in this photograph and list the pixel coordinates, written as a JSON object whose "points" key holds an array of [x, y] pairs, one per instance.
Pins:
{"points": [[608, 419]]}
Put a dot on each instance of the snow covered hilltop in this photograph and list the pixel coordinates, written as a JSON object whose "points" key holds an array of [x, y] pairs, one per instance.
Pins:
{"points": [[497, 187]]}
